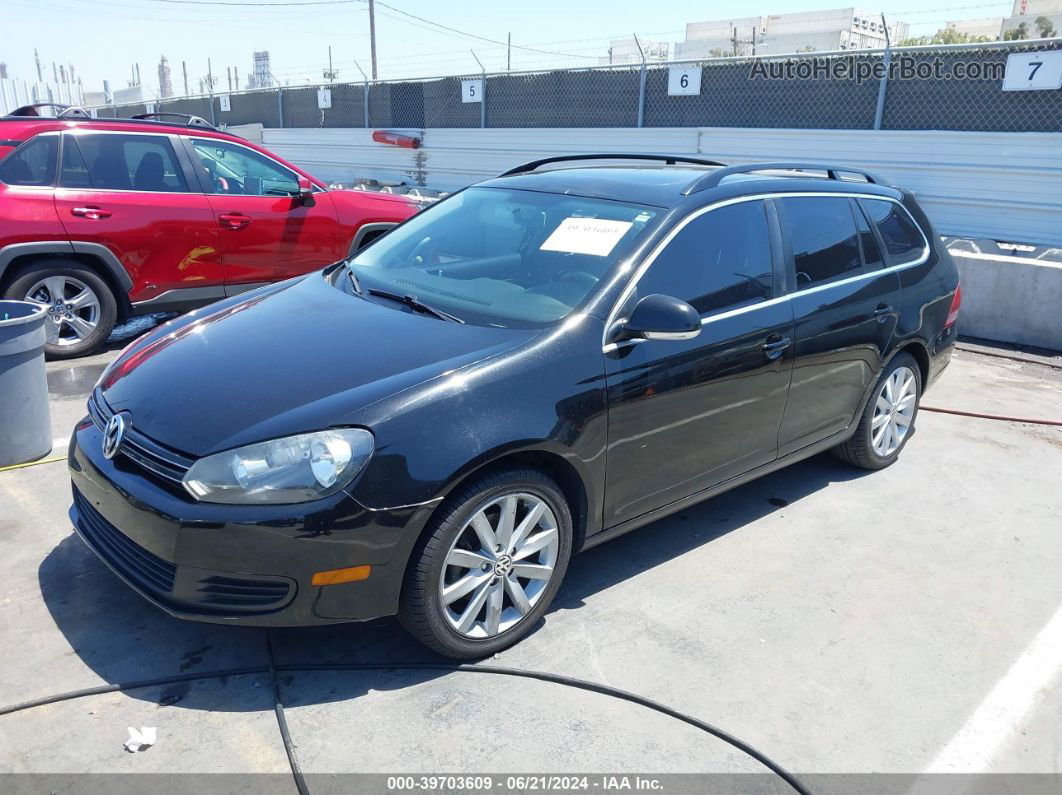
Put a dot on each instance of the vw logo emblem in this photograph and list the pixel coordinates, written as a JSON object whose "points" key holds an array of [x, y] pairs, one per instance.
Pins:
{"points": [[502, 566], [113, 435]]}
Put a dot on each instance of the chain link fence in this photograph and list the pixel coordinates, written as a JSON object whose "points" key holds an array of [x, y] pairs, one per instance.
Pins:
{"points": [[948, 87]]}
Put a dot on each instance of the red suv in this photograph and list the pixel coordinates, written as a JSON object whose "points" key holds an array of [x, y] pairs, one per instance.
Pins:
{"points": [[103, 220]]}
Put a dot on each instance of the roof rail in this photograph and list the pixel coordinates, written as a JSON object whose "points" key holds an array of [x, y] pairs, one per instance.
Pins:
{"points": [[64, 111], [832, 172], [662, 158], [189, 119]]}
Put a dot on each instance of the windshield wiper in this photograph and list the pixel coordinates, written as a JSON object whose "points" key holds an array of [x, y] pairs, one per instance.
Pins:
{"points": [[353, 278], [416, 304]]}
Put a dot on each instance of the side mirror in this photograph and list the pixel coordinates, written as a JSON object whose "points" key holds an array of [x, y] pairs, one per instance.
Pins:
{"points": [[661, 317], [306, 192]]}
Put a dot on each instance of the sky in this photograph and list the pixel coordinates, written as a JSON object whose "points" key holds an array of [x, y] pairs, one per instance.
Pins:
{"points": [[104, 38]]}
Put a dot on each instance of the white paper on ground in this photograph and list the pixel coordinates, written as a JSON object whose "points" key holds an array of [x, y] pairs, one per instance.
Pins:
{"points": [[140, 740], [596, 236]]}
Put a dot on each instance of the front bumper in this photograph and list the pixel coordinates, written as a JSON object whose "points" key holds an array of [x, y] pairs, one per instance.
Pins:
{"points": [[227, 564]]}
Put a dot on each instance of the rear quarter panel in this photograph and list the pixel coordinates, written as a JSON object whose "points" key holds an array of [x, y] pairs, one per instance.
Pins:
{"points": [[926, 292]]}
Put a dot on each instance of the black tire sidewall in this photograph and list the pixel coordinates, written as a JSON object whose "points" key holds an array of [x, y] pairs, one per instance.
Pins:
{"points": [[31, 274], [437, 546]]}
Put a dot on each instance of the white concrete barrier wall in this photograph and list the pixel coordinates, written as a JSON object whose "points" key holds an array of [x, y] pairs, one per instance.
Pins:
{"points": [[1003, 186], [1010, 299]]}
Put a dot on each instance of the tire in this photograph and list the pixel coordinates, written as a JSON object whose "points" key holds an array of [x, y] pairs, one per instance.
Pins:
{"points": [[895, 397], [72, 330], [436, 622]]}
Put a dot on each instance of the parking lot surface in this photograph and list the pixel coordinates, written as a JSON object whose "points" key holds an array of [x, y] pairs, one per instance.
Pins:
{"points": [[839, 620]]}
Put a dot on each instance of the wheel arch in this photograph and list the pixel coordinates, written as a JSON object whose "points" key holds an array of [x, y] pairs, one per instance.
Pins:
{"points": [[920, 351], [15, 258], [541, 459]]}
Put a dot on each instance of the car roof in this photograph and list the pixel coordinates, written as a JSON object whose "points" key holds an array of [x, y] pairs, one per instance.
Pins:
{"points": [[23, 127], [671, 185]]}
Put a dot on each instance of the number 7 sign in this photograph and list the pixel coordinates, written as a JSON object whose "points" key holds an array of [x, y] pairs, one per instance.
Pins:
{"points": [[1033, 71]]}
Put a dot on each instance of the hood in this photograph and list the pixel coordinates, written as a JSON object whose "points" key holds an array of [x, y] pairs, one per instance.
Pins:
{"points": [[291, 358]]}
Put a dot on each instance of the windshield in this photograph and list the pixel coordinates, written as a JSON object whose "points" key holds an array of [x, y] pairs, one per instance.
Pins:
{"points": [[509, 258]]}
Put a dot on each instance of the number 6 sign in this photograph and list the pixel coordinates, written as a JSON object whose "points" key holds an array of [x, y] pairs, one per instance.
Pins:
{"points": [[684, 81], [1033, 71]]}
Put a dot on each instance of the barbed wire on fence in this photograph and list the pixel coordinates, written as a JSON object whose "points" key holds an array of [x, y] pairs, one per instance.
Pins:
{"points": [[735, 91]]}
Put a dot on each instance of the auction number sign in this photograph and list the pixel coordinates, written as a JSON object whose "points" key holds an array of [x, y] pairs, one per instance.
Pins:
{"points": [[324, 98], [1033, 71], [225, 103], [683, 81], [472, 90]]}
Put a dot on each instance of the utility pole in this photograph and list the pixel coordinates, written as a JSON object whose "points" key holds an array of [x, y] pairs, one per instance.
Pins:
{"points": [[236, 74], [37, 58], [733, 37], [509, 54], [138, 74], [228, 76], [372, 36], [184, 68], [753, 39], [210, 76]]}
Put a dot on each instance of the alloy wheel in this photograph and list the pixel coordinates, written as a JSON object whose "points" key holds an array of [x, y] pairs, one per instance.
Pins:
{"points": [[73, 308], [499, 565], [894, 411]]}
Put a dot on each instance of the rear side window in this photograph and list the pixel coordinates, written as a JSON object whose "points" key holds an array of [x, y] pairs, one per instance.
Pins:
{"points": [[32, 164], [121, 162], [822, 236], [902, 238], [720, 260]]}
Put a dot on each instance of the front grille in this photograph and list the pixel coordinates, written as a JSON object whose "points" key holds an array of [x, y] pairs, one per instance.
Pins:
{"points": [[159, 460], [237, 593], [145, 570]]}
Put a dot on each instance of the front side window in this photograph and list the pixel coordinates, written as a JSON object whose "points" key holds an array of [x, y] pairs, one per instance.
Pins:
{"points": [[719, 260], [106, 161], [902, 238], [32, 164], [822, 236], [236, 170], [507, 258]]}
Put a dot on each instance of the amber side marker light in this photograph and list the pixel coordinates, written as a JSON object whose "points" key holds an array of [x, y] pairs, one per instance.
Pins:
{"points": [[337, 576]]}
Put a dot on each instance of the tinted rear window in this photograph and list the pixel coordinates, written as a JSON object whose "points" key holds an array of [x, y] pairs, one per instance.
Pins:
{"points": [[902, 238], [121, 162], [33, 164], [822, 236]]}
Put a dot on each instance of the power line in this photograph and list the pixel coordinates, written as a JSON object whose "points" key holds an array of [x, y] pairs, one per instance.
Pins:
{"points": [[434, 24]]}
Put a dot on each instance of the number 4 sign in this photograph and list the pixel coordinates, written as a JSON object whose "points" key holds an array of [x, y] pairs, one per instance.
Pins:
{"points": [[684, 81], [1033, 71]]}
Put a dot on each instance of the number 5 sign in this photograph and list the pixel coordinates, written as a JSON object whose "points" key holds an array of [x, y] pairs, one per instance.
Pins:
{"points": [[472, 90], [683, 81], [1033, 71]]}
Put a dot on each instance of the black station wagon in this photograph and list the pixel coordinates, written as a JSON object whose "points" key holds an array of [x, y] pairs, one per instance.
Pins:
{"points": [[532, 366]]}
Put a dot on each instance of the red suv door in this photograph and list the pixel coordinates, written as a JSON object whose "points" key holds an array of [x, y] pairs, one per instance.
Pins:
{"points": [[131, 193], [267, 233]]}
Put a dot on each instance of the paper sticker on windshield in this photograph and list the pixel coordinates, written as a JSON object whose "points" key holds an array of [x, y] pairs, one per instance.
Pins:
{"points": [[596, 236]]}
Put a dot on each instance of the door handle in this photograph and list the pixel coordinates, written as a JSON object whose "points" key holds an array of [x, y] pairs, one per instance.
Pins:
{"points": [[774, 348], [882, 312], [91, 212], [234, 220]]}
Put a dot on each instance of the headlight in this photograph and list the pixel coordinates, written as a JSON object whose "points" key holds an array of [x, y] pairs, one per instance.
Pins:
{"points": [[293, 469]]}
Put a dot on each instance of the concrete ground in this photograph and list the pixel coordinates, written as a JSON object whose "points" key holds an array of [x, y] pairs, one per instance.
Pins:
{"points": [[840, 621]]}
